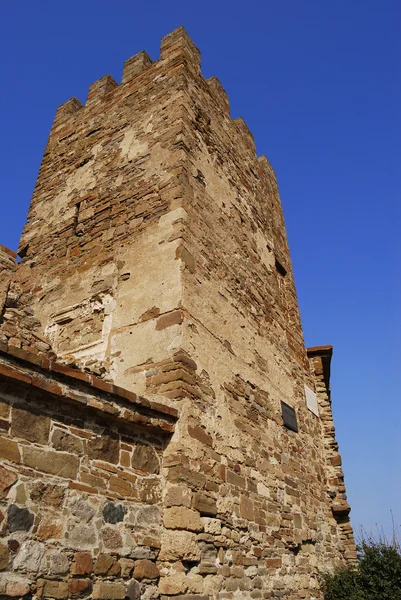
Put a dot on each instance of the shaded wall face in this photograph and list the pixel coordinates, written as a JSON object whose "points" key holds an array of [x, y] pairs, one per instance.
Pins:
{"points": [[80, 500], [265, 486]]}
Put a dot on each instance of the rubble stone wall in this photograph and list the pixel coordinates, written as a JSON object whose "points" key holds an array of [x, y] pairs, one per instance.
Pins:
{"points": [[80, 487], [166, 271]]}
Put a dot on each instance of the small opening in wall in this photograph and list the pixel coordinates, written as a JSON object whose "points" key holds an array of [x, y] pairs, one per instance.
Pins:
{"points": [[23, 252], [76, 214], [280, 269]]}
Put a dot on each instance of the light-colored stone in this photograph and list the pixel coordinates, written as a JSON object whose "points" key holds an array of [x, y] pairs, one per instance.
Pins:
{"points": [[212, 526], [178, 495], [81, 537], [178, 517], [173, 584], [59, 564], [30, 556], [179, 545]]}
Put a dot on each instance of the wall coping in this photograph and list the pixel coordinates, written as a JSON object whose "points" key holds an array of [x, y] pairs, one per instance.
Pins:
{"points": [[84, 388]]}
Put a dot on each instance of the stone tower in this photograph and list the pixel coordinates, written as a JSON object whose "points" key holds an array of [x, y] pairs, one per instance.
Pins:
{"points": [[155, 387]]}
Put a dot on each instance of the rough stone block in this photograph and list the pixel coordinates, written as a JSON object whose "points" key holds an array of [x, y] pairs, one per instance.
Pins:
{"points": [[47, 588], [47, 494], [59, 564], [30, 556], [204, 504], [200, 434], [4, 557], [79, 587], [9, 450], [56, 463], [113, 513], [173, 584], [126, 567], [104, 563], [7, 480], [105, 448], [144, 458], [107, 590], [19, 519], [179, 545], [112, 538], [178, 495], [83, 564], [246, 508], [179, 517], [30, 426], [64, 441], [17, 588], [145, 569]]}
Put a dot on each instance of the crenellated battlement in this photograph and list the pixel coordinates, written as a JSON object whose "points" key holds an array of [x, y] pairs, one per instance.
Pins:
{"points": [[176, 49], [219, 94], [135, 65], [176, 46]]}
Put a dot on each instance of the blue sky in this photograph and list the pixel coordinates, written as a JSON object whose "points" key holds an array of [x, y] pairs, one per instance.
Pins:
{"points": [[318, 84]]}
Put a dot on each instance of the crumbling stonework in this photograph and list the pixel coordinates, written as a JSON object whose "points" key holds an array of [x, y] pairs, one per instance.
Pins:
{"points": [[7, 262], [164, 284]]}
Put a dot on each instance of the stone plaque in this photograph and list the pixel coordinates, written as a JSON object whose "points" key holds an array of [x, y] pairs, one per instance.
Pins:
{"points": [[311, 401], [289, 416]]}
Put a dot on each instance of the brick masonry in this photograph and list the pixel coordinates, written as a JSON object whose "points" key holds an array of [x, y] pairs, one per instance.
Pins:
{"points": [[155, 284]]}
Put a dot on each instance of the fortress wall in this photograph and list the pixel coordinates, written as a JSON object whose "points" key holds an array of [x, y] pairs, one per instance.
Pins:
{"points": [[80, 483], [166, 271]]}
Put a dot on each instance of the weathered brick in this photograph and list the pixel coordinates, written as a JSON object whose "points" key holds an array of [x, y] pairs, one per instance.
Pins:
{"points": [[200, 434]]}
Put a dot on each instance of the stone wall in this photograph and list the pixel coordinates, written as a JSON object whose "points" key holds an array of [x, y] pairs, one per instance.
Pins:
{"points": [[7, 263], [80, 484], [320, 362], [166, 271]]}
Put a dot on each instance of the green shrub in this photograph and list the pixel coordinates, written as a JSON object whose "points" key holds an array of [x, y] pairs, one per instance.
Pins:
{"points": [[343, 585], [380, 570], [376, 577]]}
